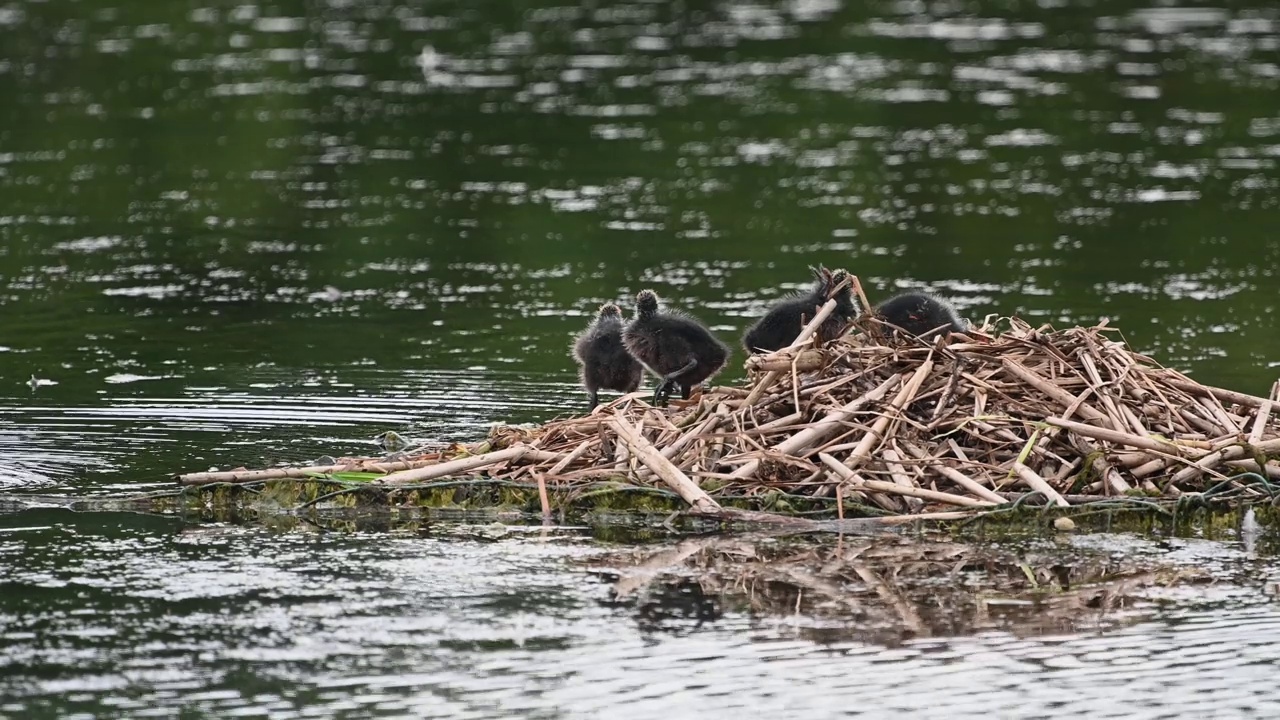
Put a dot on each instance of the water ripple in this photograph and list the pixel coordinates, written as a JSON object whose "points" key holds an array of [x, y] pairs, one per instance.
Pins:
{"points": [[407, 625]]}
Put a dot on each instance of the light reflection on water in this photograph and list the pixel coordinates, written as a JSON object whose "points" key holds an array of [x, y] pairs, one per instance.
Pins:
{"points": [[275, 420]]}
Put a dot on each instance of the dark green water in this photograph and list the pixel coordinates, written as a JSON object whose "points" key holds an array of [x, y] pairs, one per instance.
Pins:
{"points": [[238, 233]]}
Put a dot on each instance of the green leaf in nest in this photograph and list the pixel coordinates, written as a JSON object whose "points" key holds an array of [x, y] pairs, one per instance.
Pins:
{"points": [[348, 476]]}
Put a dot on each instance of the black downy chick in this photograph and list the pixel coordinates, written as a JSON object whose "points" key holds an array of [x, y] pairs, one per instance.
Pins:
{"points": [[921, 313], [780, 326], [603, 360], [675, 347]]}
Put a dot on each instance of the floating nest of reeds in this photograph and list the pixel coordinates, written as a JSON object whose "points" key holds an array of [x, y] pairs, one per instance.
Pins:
{"points": [[876, 424]]}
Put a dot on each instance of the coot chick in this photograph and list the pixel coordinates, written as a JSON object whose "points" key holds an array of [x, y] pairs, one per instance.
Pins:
{"points": [[603, 360], [780, 326], [673, 346], [921, 313]]}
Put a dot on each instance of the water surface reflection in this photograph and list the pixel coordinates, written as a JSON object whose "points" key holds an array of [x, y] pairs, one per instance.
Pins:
{"points": [[133, 615]]}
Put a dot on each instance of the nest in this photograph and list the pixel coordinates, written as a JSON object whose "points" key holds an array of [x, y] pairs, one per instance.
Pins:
{"points": [[878, 424], [911, 427]]}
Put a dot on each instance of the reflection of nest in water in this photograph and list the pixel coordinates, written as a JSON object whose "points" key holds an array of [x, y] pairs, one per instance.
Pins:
{"points": [[889, 588]]}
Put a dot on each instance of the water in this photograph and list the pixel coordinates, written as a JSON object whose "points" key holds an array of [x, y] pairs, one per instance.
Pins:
{"points": [[124, 616], [258, 233]]}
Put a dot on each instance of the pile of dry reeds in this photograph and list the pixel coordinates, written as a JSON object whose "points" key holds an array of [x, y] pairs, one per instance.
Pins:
{"points": [[882, 424]]}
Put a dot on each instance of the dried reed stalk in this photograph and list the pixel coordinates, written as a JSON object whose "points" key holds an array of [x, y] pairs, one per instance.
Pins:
{"points": [[248, 476], [825, 427], [474, 462], [670, 474], [847, 475], [1037, 483]]}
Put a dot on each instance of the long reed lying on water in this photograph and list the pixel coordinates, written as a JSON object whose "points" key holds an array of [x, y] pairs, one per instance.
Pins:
{"points": [[898, 426]]}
